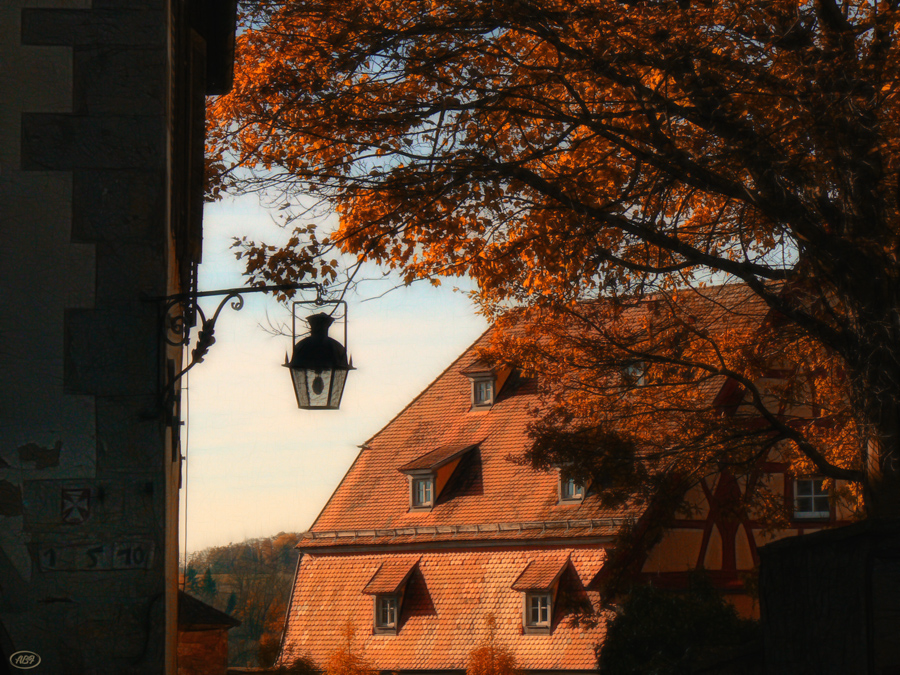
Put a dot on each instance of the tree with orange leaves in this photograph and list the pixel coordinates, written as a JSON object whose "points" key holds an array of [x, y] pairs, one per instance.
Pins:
{"points": [[561, 152], [345, 661], [491, 657]]}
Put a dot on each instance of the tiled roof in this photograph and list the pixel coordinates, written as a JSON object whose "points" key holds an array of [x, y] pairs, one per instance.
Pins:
{"points": [[593, 529], [443, 616], [496, 530], [437, 458], [490, 484], [194, 614], [392, 574], [542, 572], [478, 367]]}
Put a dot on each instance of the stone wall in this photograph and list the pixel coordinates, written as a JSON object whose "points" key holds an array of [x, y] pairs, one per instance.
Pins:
{"points": [[93, 145]]}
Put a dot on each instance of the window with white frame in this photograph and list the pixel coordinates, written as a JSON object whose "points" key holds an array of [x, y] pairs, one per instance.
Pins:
{"points": [[811, 498], [537, 610], [423, 491], [386, 612], [483, 392]]}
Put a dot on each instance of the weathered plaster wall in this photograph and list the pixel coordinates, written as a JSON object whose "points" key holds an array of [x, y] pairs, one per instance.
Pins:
{"points": [[87, 473]]}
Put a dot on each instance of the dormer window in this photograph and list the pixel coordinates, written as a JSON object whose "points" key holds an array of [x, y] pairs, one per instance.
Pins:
{"points": [[388, 586], [537, 610], [570, 490], [539, 583], [428, 474], [485, 382], [386, 612], [483, 393], [423, 492]]}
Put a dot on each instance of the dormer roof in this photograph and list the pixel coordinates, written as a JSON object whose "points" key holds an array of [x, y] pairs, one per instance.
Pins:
{"points": [[434, 460], [392, 575], [480, 367], [542, 573]]}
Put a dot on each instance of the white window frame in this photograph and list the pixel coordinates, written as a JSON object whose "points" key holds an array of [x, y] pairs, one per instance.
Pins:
{"points": [[810, 488], [483, 392], [387, 613], [428, 491], [538, 611]]}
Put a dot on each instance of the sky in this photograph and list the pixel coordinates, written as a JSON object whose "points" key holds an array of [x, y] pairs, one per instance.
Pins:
{"points": [[256, 464]]}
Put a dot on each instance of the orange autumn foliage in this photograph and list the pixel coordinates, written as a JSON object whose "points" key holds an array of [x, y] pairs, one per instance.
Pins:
{"points": [[345, 661], [491, 657], [562, 153]]}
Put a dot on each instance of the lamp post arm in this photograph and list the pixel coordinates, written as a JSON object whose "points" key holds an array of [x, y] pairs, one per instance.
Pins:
{"points": [[193, 295], [174, 322]]}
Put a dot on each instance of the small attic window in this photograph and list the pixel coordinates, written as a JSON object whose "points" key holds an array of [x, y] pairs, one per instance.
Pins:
{"points": [[486, 382], [388, 586], [538, 583], [570, 490], [538, 608], [386, 613], [483, 392], [429, 473], [422, 491]]}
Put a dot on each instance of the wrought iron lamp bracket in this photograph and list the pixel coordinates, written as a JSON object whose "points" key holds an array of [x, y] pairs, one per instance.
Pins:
{"points": [[176, 328]]}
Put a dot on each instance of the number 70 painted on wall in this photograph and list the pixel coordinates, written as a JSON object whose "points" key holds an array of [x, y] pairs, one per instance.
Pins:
{"points": [[122, 555]]}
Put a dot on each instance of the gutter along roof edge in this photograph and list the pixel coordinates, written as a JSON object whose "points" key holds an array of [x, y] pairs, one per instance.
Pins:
{"points": [[599, 540], [476, 528]]}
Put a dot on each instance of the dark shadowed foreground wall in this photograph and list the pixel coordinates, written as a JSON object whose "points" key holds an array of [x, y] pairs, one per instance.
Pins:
{"points": [[101, 139], [831, 601]]}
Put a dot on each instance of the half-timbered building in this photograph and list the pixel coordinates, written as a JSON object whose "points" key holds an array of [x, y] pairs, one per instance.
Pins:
{"points": [[439, 529]]}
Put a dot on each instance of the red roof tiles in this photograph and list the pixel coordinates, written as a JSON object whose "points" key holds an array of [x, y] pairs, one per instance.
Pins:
{"points": [[491, 485], [392, 575], [444, 610], [497, 530], [542, 573], [437, 458]]}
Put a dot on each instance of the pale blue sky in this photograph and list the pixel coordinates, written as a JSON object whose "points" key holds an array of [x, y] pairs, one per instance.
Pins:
{"points": [[258, 465]]}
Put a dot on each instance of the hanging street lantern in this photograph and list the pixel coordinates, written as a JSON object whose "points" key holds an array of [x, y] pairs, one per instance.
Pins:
{"points": [[319, 364], [319, 367]]}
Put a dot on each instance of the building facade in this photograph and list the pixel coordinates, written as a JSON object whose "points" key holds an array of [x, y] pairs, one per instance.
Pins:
{"points": [[439, 536], [101, 152]]}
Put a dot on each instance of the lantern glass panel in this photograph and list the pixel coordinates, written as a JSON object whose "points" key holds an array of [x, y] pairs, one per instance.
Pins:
{"points": [[319, 389]]}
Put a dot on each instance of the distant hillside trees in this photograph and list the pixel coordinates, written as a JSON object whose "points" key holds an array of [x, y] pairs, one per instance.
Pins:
{"points": [[252, 582]]}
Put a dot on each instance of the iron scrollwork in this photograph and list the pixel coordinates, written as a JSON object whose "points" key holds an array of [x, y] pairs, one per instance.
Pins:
{"points": [[177, 330]]}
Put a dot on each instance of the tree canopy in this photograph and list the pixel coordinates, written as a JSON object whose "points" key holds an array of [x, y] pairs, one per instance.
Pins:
{"points": [[637, 152]]}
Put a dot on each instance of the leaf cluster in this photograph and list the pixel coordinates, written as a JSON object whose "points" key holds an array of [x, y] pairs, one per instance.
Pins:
{"points": [[562, 152], [490, 656]]}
